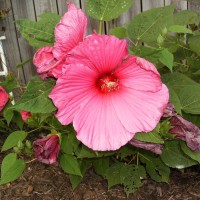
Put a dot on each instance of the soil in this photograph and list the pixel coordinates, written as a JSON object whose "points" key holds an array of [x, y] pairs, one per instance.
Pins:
{"points": [[49, 182]]}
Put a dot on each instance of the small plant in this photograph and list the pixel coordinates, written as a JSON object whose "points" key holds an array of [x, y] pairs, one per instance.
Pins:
{"points": [[101, 102]]}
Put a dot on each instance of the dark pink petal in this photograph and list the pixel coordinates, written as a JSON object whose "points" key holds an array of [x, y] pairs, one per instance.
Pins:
{"points": [[140, 111], [98, 126], [155, 148], [25, 114], [132, 75], [186, 131], [4, 97], [101, 53], [70, 31], [72, 91]]}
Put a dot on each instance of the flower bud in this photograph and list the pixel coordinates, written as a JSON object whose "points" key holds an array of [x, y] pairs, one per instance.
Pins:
{"points": [[46, 150], [164, 31], [20, 145], [16, 150], [160, 40], [28, 144]]}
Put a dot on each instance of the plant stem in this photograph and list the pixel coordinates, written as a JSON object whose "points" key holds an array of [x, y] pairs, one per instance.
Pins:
{"points": [[100, 27], [31, 160]]}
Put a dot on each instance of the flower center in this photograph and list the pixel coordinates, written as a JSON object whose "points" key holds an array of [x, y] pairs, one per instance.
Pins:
{"points": [[108, 83]]}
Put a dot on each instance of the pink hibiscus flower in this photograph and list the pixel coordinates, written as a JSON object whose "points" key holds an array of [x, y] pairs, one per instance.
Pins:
{"points": [[68, 33], [108, 96], [4, 97]]}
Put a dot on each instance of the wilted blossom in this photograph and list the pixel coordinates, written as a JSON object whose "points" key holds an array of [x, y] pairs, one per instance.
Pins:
{"points": [[169, 110], [107, 95], [155, 148], [46, 150], [25, 114], [68, 33], [4, 97], [186, 131]]}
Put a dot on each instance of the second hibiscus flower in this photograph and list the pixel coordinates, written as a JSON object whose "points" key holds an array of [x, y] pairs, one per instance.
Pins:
{"points": [[107, 95]]}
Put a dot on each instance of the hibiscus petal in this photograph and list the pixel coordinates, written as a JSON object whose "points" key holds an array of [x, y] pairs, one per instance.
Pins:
{"points": [[101, 53], [70, 30], [44, 59], [98, 126], [140, 111], [73, 89], [132, 75]]}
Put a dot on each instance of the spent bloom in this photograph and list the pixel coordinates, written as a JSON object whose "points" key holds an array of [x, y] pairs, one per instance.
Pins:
{"points": [[108, 96], [46, 150], [68, 33], [25, 114], [4, 97]]}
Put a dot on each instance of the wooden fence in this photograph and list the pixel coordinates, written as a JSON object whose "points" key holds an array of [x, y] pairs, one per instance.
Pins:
{"points": [[17, 49]]}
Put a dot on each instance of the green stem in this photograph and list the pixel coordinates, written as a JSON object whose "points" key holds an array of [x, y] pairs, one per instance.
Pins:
{"points": [[100, 27]]}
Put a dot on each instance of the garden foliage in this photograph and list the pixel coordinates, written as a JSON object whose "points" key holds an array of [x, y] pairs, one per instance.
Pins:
{"points": [[169, 40]]}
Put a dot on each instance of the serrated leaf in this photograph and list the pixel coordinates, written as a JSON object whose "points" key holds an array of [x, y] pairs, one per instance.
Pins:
{"points": [[194, 43], [8, 113], [149, 24], [126, 151], [106, 10], [167, 58], [40, 33], [157, 170], [190, 153], [190, 99], [101, 165], [152, 136], [13, 139], [173, 156], [35, 99], [69, 164], [76, 180], [9, 84], [186, 17], [177, 81], [119, 32], [11, 168], [179, 29]]}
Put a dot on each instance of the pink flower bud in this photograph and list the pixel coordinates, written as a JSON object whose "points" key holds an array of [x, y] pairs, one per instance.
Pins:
{"points": [[3, 98], [46, 150], [25, 114]]}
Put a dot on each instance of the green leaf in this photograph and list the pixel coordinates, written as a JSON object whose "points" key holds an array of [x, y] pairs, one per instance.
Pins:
{"points": [[177, 81], [167, 58], [41, 33], [9, 84], [8, 113], [179, 29], [35, 99], [192, 154], [106, 10], [174, 99], [101, 165], [126, 150], [186, 17], [69, 143], [190, 99], [13, 139], [119, 32], [194, 43], [18, 120], [128, 175], [11, 168], [69, 164], [149, 24], [152, 136], [173, 156], [76, 180], [157, 170]]}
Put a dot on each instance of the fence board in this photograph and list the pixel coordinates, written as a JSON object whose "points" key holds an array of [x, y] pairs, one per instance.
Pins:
{"points": [[25, 9], [62, 6], [180, 4], [42, 6], [147, 5], [10, 45]]}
